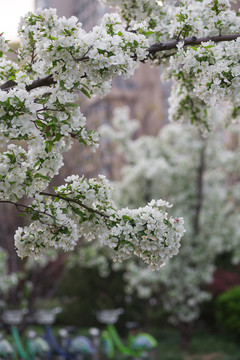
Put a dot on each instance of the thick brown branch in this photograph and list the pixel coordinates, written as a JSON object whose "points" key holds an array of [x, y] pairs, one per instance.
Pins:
{"points": [[190, 41], [59, 196], [47, 81], [8, 85]]}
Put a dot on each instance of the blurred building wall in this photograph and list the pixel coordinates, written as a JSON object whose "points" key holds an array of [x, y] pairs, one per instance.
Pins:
{"points": [[89, 12]]}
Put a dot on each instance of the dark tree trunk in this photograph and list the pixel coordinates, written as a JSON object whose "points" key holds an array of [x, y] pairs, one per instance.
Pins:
{"points": [[186, 332]]}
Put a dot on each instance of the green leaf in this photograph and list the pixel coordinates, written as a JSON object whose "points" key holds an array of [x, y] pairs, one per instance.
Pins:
{"points": [[62, 84], [85, 86], [22, 215], [58, 137], [35, 216], [148, 33], [84, 91], [48, 146], [79, 212], [71, 105], [64, 210], [126, 218], [39, 123], [81, 140], [125, 242], [52, 37], [209, 46], [42, 177], [11, 157]]}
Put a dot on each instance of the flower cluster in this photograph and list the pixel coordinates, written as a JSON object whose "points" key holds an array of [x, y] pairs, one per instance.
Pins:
{"points": [[59, 220], [146, 232], [57, 54], [223, 69], [151, 18], [207, 72], [77, 59], [180, 155], [82, 208], [205, 18], [186, 20], [57, 61], [38, 105]]}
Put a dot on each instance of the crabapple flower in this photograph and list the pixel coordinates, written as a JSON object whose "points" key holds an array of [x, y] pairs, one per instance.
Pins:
{"points": [[58, 61], [82, 207]]}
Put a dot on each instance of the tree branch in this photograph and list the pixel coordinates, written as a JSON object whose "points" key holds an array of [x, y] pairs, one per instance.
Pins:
{"points": [[18, 205], [59, 196], [48, 80], [190, 41]]}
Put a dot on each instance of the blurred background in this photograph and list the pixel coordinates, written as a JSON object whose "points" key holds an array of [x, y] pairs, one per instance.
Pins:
{"points": [[192, 305]]}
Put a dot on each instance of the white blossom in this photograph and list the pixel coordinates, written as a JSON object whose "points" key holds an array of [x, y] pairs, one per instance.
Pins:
{"points": [[169, 165], [40, 117]]}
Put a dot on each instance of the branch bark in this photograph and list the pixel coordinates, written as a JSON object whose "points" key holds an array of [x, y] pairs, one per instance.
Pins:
{"points": [[46, 81], [190, 41]]}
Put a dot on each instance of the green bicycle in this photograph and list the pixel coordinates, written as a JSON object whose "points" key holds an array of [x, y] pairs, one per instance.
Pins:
{"points": [[137, 347], [36, 347]]}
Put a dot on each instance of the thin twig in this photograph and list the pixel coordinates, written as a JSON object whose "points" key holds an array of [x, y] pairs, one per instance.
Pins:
{"points": [[59, 196], [18, 205]]}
